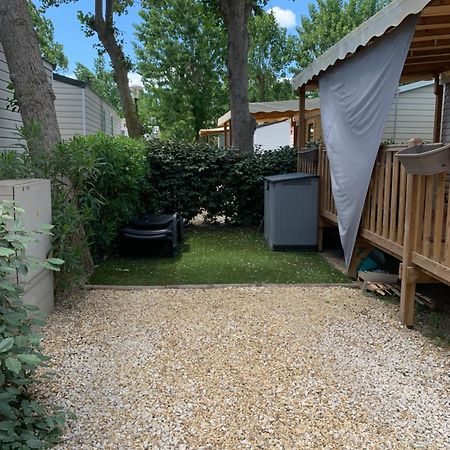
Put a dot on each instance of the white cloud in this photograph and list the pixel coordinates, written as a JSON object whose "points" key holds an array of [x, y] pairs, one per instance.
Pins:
{"points": [[135, 79], [285, 17]]}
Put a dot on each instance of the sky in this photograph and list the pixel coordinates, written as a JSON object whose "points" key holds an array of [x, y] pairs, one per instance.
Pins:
{"points": [[79, 48]]}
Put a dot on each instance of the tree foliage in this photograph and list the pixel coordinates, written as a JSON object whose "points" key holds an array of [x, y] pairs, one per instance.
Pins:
{"points": [[328, 22], [181, 56], [51, 50], [271, 54], [102, 81]]}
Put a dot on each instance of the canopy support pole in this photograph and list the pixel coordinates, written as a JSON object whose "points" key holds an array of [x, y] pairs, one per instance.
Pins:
{"points": [[439, 92], [301, 134]]}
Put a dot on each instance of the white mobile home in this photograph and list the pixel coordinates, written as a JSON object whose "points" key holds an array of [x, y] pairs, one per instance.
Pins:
{"points": [[273, 135], [81, 111], [412, 113], [10, 120]]}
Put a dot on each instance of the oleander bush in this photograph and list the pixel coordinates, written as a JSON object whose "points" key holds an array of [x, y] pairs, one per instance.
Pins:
{"points": [[196, 178], [109, 175], [24, 422]]}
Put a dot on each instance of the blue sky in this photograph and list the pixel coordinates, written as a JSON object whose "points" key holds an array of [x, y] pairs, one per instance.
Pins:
{"points": [[79, 48]]}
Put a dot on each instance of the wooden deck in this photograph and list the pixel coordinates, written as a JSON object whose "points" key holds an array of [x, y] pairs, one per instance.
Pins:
{"points": [[407, 216]]}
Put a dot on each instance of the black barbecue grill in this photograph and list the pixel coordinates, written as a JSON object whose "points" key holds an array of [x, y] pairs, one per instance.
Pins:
{"points": [[154, 227]]}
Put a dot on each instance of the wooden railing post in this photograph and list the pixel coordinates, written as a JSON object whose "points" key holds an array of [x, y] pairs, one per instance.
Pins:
{"points": [[408, 290], [301, 135], [320, 223]]}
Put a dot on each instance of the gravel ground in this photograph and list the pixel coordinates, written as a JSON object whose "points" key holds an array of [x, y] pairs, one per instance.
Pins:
{"points": [[237, 368]]}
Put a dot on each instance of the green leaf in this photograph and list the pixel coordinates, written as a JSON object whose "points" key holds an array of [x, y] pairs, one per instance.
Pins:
{"points": [[29, 358], [7, 411], [6, 344], [8, 285], [49, 266], [35, 443], [6, 269], [60, 419], [55, 261], [47, 227], [13, 364], [27, 434], [6, 251], [37, 408], [7, 425]]}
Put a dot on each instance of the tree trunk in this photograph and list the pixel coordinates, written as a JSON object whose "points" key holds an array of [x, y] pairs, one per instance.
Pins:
{"points": [[104, 28], [236, 14], [32, 89]]}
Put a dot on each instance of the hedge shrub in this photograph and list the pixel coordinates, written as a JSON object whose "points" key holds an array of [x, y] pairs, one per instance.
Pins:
{"points": [[195, 178], [108, 175]]}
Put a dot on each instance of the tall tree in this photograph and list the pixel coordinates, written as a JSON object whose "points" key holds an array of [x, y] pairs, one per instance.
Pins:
{"points": [[34, 95], [236, 14], [328, 22], [181, 57], [102, 81], [271, 55], [32, 89], [101, 23], [51, 50]]}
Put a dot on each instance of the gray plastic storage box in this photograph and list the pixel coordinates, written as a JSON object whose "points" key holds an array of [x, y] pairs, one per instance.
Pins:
{"points": [[291, 210]]}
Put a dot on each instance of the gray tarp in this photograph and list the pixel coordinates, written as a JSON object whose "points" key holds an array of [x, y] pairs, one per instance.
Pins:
{"points": [[390, 16], [356, 97]]}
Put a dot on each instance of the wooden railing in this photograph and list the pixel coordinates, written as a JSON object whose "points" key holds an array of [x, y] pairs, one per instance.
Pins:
{"points": [[321, 168], [405, 215], [383, 218], [431, 238], [383, 221]]}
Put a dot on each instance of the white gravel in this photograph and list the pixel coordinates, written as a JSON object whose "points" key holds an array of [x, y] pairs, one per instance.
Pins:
{"points": [[245, 368]]}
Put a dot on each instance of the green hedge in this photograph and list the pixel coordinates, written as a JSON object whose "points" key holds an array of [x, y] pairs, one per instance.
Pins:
{"points": [[115, 178], [195, 178], [108, 175]]}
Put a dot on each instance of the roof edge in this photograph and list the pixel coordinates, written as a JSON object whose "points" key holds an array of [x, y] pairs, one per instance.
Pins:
{"points": [[391, 16], [68, 80]]}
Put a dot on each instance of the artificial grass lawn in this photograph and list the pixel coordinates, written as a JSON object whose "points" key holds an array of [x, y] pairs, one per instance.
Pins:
{"points": [[219, 255]]}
